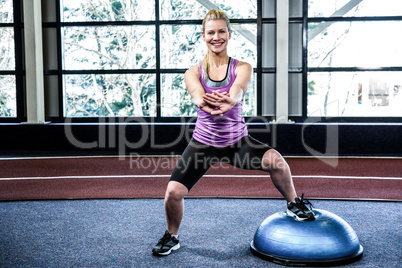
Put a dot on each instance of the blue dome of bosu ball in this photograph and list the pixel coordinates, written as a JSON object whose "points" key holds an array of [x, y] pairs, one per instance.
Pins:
{"points": [[326, 241]]}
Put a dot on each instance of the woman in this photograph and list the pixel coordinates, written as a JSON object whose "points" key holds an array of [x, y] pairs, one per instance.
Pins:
{"points": [[217, 86]]}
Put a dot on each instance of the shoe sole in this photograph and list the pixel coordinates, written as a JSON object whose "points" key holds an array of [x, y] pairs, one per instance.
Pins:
{"points": [[292, 214], [176, 247]]}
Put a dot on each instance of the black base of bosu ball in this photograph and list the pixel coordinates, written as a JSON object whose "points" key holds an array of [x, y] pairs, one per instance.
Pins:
{"points": [[326, 241]]}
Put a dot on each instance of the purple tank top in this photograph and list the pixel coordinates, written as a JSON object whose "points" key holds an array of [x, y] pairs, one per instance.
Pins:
{"points": [[220, 131]]}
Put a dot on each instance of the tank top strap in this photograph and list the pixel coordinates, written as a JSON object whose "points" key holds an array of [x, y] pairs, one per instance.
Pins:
{"points": [[233, 67]]}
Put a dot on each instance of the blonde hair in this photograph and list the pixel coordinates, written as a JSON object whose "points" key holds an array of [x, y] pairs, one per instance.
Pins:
{"points": [[212, 15]]}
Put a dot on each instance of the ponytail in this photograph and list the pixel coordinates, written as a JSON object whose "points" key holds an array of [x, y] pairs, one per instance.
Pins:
{"points": [[205, 65]]}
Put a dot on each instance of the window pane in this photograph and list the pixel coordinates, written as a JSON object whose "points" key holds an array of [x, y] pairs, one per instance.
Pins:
{"points": [[243, 44], [7, 52], [176, 101], [121, 47], [190, 9], [8, 100], [320, 8], [182, 45], [6, 11], [106, 10], [355, 94], [361, 44], [249, 102], [110, 95]]}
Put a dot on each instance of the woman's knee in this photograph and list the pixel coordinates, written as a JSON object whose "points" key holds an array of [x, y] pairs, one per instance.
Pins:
{"points": [[273, 161], [175, 191]]}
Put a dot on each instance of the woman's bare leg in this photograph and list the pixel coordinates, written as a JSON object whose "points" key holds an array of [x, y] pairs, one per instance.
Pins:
{"points": [[174, 205], [275, 164]]}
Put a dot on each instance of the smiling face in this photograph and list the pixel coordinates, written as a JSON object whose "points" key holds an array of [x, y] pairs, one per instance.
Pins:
{"points": [[216, 35]]}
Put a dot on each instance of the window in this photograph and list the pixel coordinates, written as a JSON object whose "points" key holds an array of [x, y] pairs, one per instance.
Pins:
{"points": [[125, 58], [8, 81], [354, 58]]}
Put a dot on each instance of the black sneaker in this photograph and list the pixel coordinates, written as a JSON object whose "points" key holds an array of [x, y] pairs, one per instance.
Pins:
{"points": [[299, 209], [166, 244]]}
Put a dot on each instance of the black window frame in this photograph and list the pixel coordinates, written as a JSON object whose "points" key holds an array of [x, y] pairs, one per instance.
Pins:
{"points": [[158, 71], [304, 20], [306, 69], [19, 71]]}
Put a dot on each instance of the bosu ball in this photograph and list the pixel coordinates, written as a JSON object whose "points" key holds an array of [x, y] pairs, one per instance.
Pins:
{"points": [[326, 241]]}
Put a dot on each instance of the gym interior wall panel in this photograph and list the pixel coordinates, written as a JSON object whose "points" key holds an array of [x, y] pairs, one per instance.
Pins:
{"points": [[268, 45], [268, 94], [49, 10], [296, 8], [295, 45], [51, 96], [299, 139], [295, 94], [268, 9], [49, 48]]}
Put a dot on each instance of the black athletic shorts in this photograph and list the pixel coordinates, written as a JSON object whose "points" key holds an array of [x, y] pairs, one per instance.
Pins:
{"points": [[197, 158]]}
